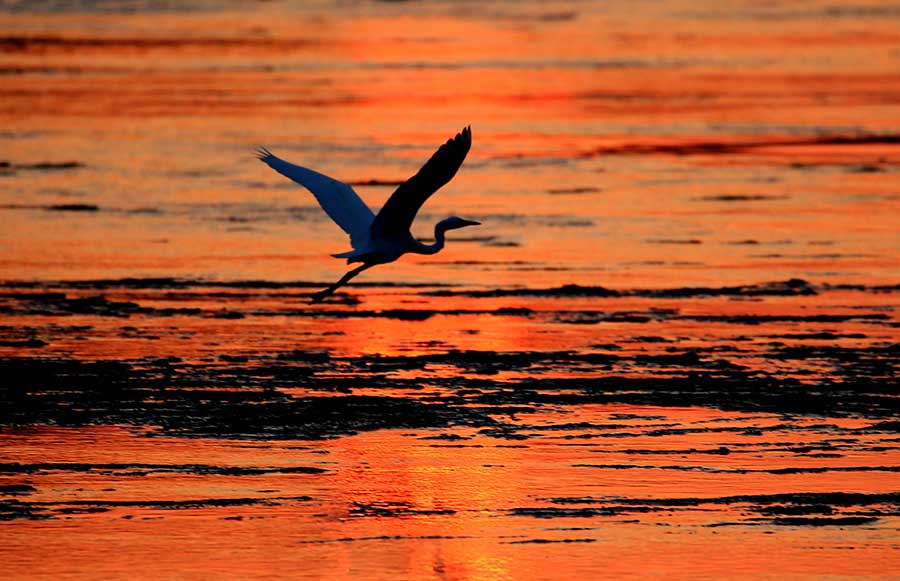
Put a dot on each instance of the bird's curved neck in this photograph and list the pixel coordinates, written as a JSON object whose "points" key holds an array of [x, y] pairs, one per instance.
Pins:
{"points": [[439, 241]]}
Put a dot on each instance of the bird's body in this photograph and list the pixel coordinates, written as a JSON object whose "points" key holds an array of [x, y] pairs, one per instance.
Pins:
{"points": [[383, 237]]}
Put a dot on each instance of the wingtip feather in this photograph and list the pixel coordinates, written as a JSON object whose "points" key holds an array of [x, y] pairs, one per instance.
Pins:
{"points": [[262, 153]]}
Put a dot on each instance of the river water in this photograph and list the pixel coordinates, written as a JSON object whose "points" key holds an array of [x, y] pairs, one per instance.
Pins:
{"points": [[669, 349]]}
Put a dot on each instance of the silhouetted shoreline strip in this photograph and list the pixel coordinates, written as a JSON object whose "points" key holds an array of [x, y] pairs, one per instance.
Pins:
{"points": [[197, 398], [374, 182], [806, 498], [53, 207], [132, 469], [731, 147], [781, 509], [186, 283], [7, 166], [11, 509], [711, 470], [46, 43], [789, 287]]}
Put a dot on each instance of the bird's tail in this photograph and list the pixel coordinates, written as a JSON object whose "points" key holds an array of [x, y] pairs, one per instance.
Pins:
{"points": [[351, 255]]}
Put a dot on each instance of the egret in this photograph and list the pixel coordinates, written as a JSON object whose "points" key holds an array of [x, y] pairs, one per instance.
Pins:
{"points": [[385, 237]]}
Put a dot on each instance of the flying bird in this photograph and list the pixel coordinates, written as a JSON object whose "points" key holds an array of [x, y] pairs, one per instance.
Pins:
{"points": [[385, 237]]}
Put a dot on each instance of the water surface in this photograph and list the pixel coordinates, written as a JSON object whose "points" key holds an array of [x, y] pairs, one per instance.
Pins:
{"points": [[670, 349]]}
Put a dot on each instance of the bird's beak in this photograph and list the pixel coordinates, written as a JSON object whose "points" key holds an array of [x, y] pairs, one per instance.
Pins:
{"points": [[471, 223]]}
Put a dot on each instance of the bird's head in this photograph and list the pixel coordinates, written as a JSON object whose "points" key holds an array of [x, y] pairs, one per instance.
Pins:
{"points": [[454, 222]]}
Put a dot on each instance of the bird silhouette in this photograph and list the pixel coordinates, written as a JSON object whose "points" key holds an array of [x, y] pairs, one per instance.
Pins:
{"points": [[385, 237]]}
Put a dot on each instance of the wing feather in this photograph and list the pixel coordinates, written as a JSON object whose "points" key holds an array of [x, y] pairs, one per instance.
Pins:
{"points": [[338, 199], [400, 210]]}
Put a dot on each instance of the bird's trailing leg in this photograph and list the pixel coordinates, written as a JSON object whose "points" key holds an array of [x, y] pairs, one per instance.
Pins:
{"points": [[320, 296]]}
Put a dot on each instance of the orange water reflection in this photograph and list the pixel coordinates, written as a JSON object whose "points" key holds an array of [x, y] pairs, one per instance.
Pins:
{"points": [[449, 516], [548, 116], [629, 146]]}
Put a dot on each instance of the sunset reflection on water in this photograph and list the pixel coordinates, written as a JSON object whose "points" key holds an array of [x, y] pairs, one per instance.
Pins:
{"points": [[669, 349]]}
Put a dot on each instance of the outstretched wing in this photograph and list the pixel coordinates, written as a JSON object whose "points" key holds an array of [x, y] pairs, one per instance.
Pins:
{"points": [[339, 201], [400, 210]]}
